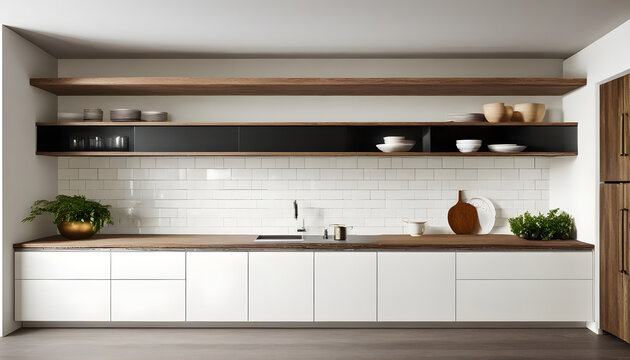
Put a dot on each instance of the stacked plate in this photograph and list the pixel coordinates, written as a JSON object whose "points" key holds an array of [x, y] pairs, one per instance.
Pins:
{"points": [[154, 116], [63, 116], [124, 115], [396, 144], [465, 117], [92, 115], [467, 146], [506, 148]]}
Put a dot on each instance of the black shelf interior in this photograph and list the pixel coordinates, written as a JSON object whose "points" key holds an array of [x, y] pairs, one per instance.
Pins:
{"points": [[306, 138]]}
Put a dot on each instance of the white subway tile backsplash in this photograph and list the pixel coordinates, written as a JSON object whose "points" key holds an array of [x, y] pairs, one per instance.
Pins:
{"points": [[233, 162], [107, 174], [385, 163], [524, 162], [78, 163], [88, 173], [504, 162], [367, 162], [99, 162], [253, 162], [132, 163], [255, 194], [530, 174], [452, 162], [148, 163]]}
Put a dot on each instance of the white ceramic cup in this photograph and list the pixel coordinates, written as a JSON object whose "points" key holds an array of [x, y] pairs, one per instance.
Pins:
{"points": [[416, 228]]}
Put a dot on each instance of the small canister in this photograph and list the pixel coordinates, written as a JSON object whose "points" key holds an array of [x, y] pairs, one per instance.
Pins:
{"points": [[341, 231]]}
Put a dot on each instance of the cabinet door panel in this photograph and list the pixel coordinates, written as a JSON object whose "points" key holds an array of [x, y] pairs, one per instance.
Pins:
{"points": [[281, 286], [614, 129], [613, 303], [216, 286], [524, 300], [345, 286], [148, 300], [62, 300], [508, 265], [416, 286], [69, 265], [145, 265]]}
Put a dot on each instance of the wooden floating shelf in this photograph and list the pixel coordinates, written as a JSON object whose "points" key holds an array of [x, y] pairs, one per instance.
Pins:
{"points": [[436, 123], [135, 153], [139, 86]]}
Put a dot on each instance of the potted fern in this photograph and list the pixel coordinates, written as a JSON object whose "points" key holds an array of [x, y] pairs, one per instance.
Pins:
{"points": [[555, 225], [76, 217]]}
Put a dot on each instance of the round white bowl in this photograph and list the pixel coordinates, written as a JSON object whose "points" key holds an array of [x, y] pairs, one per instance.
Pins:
{"points": [[397, 147], [506, 148], [466, 148], [393, 139]]}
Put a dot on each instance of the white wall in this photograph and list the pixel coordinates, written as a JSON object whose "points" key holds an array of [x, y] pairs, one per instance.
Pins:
{"points": [[574, 184], [26, 177]]}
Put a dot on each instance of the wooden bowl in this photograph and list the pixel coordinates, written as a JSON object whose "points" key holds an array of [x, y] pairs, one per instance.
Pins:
{"points": [[494, 112], [75, 230], [531, 112]]}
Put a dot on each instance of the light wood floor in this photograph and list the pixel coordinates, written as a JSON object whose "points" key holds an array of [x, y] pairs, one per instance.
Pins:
{"points": [[303, 344]]}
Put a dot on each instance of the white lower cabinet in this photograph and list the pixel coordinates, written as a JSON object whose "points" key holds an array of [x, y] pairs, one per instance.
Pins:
{"points": [[303, 286], [216, 286], [281, 286], [62, 300], [345, 286], [525, 286], [148, 300], [524, 300], [416, 286]]}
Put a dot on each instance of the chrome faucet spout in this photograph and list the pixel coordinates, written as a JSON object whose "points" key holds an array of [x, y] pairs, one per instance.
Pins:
{"points": [[295, 209]]}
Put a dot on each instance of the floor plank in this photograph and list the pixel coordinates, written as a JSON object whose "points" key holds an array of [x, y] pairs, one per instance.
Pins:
{"points": [[304, 344]]}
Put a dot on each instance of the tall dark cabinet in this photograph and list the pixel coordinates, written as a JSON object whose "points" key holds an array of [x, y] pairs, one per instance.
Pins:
{"points": [[614, 207]]}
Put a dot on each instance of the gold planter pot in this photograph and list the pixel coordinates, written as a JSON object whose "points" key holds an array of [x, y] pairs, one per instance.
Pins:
{"points": [[75, 230]]}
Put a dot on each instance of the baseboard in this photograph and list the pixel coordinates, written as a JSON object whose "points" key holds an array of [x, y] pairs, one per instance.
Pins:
{"points": [[594, 327], [348, 325]]}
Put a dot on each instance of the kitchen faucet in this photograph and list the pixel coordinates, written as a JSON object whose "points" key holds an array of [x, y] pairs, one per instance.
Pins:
{"points": [[295, 214]]}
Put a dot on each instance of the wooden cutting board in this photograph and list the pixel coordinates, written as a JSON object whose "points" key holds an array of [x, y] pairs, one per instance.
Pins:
{"points": [[462, 217]]}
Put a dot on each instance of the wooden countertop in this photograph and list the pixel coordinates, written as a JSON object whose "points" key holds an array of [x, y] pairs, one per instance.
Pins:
{"points": [[311, 242]]}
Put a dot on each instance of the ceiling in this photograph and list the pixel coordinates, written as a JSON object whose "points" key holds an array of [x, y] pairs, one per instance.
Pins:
{"points": [[313, 28]]}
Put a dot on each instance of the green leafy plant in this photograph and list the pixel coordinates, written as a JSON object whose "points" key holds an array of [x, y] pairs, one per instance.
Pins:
{"points": [[72, 208], [554, 225]]}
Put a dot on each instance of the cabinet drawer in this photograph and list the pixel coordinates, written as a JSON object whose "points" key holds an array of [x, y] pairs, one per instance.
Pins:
{"points": [[524, 300], [62, 265], [160, 265], [148, 300], [525, 265], [62, 300]]}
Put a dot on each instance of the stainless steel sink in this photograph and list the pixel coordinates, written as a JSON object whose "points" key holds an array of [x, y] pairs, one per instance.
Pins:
{"points": [[280, 238]]}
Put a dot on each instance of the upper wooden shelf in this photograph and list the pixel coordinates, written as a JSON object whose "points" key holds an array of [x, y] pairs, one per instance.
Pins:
{"points": [[307, 86]]}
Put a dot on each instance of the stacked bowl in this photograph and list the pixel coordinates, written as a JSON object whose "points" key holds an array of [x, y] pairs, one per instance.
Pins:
{"points": [[467, 146], [396, 144], [124, 115], [92, 115], [154, 116]]}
